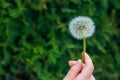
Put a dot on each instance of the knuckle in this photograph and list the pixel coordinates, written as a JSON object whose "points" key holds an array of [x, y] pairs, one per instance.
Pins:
{"points": [[72, 69], [92, 67]]}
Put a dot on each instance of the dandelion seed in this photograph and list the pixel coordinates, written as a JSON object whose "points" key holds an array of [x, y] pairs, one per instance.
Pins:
{"points": [[82, 27]]}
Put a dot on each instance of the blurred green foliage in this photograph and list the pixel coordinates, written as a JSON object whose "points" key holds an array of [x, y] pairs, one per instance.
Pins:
{"points": [[35, 43]]}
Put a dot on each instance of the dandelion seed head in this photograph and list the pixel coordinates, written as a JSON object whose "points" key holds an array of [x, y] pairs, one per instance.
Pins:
{"points": [[81, 27]]}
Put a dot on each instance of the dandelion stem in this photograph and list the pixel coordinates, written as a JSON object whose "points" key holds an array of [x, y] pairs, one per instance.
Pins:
{"points": [[84, 44], [84, 49]]}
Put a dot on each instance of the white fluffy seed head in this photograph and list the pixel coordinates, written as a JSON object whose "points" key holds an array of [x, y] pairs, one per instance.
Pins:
{"points": [[81, 27]]}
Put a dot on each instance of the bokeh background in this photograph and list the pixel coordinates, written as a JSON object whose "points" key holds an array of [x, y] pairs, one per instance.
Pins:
{"points": [[35, 43]]}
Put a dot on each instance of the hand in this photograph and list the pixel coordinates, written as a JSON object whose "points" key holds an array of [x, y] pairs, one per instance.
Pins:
{"points": [[80, 71]]}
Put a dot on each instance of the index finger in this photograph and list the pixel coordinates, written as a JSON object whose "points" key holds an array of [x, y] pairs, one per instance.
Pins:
{"points": [[88, 68]]}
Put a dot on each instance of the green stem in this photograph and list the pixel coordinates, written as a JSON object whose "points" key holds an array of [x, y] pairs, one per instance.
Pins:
{"points": [[84, 49], [84, 44]]}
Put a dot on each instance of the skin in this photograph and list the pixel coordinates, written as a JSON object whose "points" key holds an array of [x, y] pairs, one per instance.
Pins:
{"points": [[80, 71]]}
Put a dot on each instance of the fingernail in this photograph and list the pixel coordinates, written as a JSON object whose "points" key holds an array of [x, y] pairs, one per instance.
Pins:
{"points": [[78, 60]]}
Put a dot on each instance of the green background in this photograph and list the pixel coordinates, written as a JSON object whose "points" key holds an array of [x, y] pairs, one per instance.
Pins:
{"points": [[35, 43]]}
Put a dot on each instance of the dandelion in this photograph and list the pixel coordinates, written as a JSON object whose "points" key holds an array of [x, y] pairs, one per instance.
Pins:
{"points": [[82, 27]]}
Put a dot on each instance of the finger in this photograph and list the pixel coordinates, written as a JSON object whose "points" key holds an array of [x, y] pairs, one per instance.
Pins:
{"points": [[73, 72], [87, 69], [88, 61], [72, 63]]}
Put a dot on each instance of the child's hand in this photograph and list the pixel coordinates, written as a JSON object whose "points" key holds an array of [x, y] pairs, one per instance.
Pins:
{"points": [[80, 71]]}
